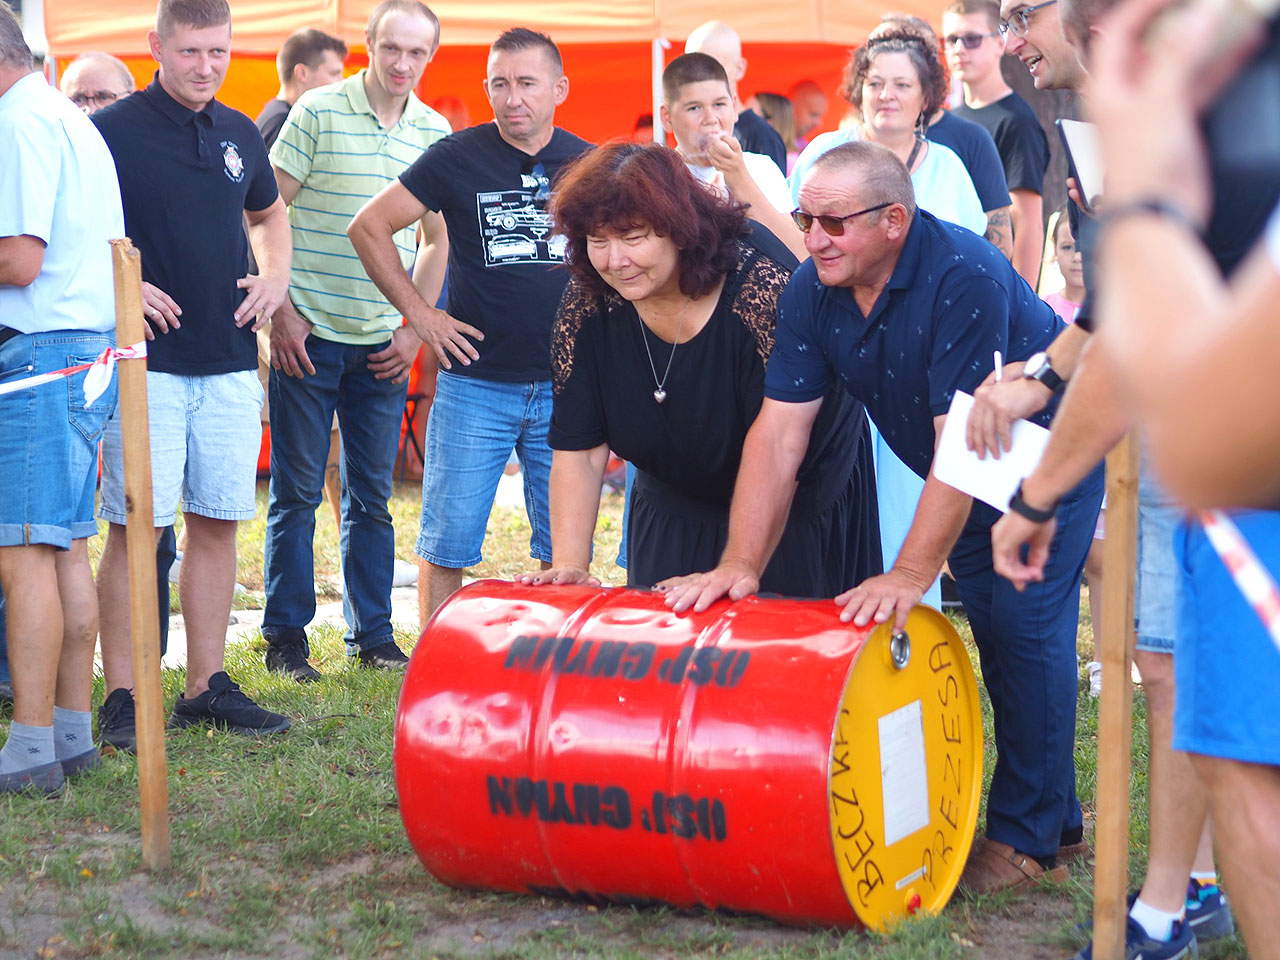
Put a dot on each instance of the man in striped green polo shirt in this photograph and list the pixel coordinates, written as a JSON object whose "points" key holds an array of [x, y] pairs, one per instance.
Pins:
{"points": [[337, 344]]}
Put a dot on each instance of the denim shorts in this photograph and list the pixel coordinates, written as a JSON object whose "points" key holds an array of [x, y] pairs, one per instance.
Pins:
{"points": [[49, 440], [205, 438], [1226, 668], [473, 426], [1155, 602]]}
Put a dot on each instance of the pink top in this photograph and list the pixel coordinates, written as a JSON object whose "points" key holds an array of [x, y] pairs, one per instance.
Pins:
{"points": [[1063, 307]]}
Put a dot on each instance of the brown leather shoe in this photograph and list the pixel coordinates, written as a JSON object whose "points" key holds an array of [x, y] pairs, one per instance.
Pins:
{"points": [[1071, 852], [993, 867]]}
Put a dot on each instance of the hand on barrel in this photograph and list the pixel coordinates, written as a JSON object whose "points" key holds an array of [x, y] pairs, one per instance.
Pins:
{"points": [[159, 309], [997, 404], [701, 590], [1009, 536], [892, 594], [560, 575]]}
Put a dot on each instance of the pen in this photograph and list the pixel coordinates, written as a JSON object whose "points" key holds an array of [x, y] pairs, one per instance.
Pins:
{"points": [[999, 366]]}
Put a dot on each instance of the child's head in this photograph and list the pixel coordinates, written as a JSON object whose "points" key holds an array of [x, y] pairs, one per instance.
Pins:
{"points": [[1067, 253], [697, 105]]}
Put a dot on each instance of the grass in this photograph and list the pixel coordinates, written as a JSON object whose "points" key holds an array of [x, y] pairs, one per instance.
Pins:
{"points": [[295, 848]]}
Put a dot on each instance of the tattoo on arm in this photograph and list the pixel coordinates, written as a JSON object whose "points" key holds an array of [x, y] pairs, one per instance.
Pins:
{"points": [[1000, 231]]}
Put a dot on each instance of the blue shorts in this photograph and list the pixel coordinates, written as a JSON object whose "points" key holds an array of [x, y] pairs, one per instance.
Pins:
{"points": [[205, 438], [1155, 604], [473, 426], [1226, 667], [49, 440]]}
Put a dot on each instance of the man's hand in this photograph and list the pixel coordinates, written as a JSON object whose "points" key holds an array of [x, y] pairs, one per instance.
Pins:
{"points": [[289, 332], [159, 309], [395, 362], [701, 590], [996, 405], [892, 594], [264, 297], [447, 335], [560, 575], [1009, 535]]}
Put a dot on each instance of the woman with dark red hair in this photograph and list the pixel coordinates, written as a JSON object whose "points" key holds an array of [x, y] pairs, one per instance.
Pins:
{"points": [[658, 352]]}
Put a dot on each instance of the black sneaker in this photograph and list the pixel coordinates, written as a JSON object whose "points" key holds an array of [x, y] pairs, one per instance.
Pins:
{"points": [[116, 721], [287, 652], [224, 706], [385, 656]]}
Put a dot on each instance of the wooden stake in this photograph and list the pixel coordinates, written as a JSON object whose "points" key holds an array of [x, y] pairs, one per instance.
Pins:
{"points": [[140, 544], [1115, 711]]}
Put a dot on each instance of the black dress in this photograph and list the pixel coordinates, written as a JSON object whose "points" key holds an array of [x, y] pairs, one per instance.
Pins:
{"points": [[686, 450]]}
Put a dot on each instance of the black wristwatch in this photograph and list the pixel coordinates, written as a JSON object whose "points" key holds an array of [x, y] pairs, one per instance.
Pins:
{"points": [[1024, 509], [1039, 369]]}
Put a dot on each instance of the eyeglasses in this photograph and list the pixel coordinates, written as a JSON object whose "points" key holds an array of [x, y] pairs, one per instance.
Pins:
{"points": [[834, 226], [101, 98], [1019, 23], [970, 41]]}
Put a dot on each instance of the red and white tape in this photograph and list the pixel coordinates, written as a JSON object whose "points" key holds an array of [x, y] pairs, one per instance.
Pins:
{"points": [[1251, 577], [95, 382]]}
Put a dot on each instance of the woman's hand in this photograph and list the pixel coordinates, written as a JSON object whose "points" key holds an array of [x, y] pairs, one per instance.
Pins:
{"points": [[701, 590], [563, 576]]}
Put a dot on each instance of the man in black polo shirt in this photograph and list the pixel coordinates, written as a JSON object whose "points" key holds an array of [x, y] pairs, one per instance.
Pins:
{"points": [[974, 50], [905, 310], [190, 169]]}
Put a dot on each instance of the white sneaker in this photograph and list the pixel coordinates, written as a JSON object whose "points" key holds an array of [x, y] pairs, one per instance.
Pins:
{"points": [[405, 573]]}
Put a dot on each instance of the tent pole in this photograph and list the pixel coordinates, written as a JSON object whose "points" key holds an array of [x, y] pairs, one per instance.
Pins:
{"points": [[659, 45]]}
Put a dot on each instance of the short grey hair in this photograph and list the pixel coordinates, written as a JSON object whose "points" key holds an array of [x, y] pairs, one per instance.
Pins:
{"points": [[13, 46], [882, 177]]}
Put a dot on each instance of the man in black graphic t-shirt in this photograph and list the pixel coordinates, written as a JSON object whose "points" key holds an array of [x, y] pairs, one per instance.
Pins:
{"points": [[486, 190]]}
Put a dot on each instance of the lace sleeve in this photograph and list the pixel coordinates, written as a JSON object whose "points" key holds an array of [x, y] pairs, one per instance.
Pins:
{"points": [[760, 283], [576, 305]]}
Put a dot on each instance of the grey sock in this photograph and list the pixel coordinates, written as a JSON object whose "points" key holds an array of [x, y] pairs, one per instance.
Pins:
{"points": [[72, 732], [26, 747]]}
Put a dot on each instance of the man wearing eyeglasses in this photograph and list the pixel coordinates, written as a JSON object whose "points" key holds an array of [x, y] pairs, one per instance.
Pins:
{"points": [[491, 184], [338, 345], [94, 80], [974, 48], [905, 310]]}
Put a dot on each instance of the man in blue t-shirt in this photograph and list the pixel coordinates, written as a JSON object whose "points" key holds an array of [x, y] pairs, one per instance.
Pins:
{"points": [[489, 185], [904, 310], [191, 172]]}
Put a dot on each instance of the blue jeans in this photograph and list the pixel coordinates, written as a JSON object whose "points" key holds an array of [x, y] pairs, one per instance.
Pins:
{"points": [[369, 415], [1027, 644], [473, 426]]}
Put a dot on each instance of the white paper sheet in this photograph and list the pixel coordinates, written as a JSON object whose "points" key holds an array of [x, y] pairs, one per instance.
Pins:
{"points": [[1086, 154], [991, 481], [903, 778]]}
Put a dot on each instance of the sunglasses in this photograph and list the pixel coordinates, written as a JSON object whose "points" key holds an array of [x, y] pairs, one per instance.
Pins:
{"points": [[1020, 22], [970, 41], [833, 226]]}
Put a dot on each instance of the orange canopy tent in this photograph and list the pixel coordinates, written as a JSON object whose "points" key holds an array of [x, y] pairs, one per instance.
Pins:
{"points": [[608, 47]]}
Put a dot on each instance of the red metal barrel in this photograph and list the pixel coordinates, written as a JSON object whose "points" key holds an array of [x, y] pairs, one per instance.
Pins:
{"points": [[759, 757]]}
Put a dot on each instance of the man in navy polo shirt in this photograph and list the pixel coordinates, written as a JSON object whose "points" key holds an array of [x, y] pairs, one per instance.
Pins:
{"points": [[906, 309], [190, 169]]}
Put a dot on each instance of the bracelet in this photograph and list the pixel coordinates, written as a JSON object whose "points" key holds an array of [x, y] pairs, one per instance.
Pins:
{"points": [[1024, 509], [1149, 207]]}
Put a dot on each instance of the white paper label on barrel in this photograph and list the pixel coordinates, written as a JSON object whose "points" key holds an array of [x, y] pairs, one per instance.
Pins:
{"points": [[903, 778]]}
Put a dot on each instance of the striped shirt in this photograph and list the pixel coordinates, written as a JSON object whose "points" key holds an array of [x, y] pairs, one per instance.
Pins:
{"points": [[333, 144]]}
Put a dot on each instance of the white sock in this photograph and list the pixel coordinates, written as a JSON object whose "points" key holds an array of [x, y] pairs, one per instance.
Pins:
{"points": [[72, 732], [26, 747], [1157, 923]]}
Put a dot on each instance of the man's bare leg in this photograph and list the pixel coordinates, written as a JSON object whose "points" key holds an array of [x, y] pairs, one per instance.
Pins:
{"points": [[79, 627], [206, 584], [435, 585], [1177, 800], [34, 622], [333, 478], [115, 623], [1245, 803]]}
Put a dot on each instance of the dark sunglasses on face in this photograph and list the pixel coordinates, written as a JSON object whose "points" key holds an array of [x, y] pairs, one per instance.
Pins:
{"points": [[970, 41], [834, 226]]}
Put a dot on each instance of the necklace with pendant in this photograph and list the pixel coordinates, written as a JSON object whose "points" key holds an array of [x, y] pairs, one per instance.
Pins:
{"points": [[660, 394]]}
